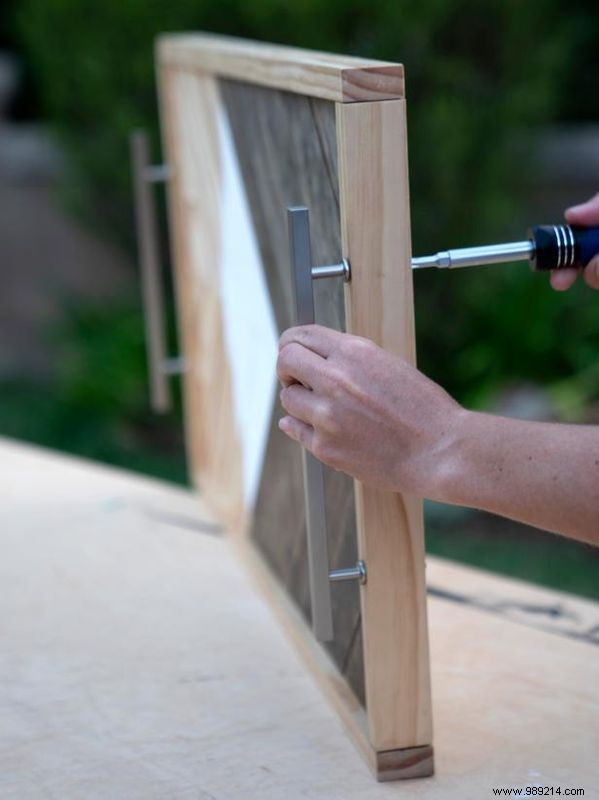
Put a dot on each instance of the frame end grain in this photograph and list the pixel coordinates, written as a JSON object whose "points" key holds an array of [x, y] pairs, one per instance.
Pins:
{"points": [[411, 762], [372, 83]]}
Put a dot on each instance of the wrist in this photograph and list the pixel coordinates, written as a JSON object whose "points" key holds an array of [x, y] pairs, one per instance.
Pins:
{"points": [[453, 458]]}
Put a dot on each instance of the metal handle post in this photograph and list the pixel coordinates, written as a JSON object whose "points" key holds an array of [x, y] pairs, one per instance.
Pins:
{"points": [[152, 289], [318, 550]]}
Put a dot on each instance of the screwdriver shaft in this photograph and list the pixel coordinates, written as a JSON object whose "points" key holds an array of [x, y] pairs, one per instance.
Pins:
{"points": [[477, 256]]}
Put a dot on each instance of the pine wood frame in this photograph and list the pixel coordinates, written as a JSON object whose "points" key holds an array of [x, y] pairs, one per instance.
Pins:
{"points": [[395, 731]]}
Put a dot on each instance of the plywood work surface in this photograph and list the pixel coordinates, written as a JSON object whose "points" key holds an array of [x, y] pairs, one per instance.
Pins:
{"points": [[138, 661]]}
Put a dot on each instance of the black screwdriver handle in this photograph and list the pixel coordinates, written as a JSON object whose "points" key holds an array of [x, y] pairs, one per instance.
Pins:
{"points": [[561, 246]]}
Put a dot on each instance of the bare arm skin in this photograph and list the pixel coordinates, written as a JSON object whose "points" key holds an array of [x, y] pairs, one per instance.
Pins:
{"points": [[372, 415]]}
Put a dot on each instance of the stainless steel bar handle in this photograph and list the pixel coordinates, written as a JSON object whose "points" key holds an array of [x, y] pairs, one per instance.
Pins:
{"points": [[318, 550], [151, 282]]}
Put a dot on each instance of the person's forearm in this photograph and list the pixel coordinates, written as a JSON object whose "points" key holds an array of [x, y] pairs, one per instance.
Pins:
{"points": [[370, 414], [543, 474]]}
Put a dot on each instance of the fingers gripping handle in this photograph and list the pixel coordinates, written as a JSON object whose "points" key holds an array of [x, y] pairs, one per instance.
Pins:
{"points": [[588, 239], [318, 551], [562, 246]]}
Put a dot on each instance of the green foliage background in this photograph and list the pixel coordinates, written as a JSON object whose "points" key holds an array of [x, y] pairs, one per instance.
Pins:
{"points": [[474, 80], [482, 79]]}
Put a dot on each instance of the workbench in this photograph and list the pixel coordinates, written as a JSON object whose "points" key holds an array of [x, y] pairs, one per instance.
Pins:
{"points": [[138, 660]]}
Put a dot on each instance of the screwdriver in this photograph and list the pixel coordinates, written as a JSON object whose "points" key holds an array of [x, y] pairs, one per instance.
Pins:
{"points": [[547, 247]]}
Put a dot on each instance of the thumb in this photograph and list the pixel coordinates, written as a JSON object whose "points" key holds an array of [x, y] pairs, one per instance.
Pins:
{"points": [[584, 213]]}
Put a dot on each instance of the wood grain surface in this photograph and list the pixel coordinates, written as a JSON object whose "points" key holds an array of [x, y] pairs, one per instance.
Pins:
{"points": [[310, 73], [139, 662], [375, 218], [189, 109], [347, 162], [286, 146]]}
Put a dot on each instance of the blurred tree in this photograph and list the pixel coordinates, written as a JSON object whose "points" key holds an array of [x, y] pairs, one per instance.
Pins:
{"points": [[480, 77], [474, 80], [96, 405], [580, 99]]}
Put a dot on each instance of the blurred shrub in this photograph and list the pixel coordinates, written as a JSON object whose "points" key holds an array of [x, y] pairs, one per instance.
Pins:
{"points": [[473, 82], [479, 77], [96, 404]]}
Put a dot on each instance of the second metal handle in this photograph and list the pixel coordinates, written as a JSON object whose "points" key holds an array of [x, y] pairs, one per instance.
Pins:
{"points": [[159, 366]]}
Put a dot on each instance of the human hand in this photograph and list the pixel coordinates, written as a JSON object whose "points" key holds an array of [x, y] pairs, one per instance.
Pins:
{"points": [[364, 411], [583, 214]]}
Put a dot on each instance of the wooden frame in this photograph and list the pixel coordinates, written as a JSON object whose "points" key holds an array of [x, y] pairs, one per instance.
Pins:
{"points": [[342, 79], [395, 730]]}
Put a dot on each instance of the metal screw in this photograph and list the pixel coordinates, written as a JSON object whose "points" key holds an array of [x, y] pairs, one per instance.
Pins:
{"points": [[341, 270], [350, 573]]}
